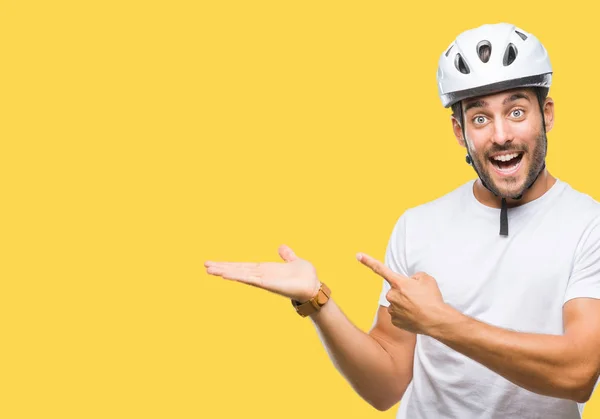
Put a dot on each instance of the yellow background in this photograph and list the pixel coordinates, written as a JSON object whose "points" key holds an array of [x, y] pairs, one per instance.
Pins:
{"points": [[141, 138]]}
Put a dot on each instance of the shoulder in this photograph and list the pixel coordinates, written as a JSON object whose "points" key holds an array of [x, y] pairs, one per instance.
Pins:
{"points": [[578, 205], [441, 207], [579, 214], [432, 216]]}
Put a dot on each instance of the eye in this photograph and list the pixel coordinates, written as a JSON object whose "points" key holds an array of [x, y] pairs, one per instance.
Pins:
{"points": [[480, 119], [517, 113]]}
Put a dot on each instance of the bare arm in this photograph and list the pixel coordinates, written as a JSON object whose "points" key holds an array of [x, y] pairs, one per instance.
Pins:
{"points": [[565, 366], [378, 365]]}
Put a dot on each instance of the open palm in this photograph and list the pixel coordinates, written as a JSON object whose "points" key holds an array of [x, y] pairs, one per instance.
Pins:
{"points": [[296, 278]]}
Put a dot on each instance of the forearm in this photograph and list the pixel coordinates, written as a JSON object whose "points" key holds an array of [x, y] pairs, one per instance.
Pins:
{"points": [[361, 358], [544, 364]]}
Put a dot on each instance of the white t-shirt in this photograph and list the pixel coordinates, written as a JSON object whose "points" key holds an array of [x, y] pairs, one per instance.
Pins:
{"points": [[518, 282]]}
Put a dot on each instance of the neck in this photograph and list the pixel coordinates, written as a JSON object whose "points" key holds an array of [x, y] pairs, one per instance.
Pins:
{"points": [[542, 184]]}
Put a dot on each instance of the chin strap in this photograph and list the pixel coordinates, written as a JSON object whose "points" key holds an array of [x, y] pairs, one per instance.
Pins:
{"points": [[504, 219]]}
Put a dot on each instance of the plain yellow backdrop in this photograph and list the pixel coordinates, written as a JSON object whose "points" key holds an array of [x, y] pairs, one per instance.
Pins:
{"points": [[141, 138]]}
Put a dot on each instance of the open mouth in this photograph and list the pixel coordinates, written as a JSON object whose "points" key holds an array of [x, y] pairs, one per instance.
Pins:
{"points": [[507, 164]]}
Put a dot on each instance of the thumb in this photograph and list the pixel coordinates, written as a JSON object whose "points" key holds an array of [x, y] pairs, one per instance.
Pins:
{"points": [[286, 253]]}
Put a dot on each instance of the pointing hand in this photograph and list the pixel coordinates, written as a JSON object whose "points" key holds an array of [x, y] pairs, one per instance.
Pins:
{"points": [[416, 303]]}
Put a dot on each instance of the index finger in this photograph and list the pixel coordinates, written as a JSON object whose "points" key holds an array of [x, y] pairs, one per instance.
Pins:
{"points": [[393, 278]]}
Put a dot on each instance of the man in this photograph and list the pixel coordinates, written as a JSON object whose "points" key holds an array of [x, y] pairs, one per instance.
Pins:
{"points": [[490, 306]]}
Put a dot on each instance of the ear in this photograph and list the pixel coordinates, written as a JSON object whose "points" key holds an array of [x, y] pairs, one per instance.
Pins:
{"points": [[549, 113], [457, 131]]}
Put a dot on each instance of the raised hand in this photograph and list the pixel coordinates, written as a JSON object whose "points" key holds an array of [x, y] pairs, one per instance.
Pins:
{"points": [[295, 278]]}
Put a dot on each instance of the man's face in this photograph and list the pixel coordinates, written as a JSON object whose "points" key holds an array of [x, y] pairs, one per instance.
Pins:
{"points": [[506, 139]]}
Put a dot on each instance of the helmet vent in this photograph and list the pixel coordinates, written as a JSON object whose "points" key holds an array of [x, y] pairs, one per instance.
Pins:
{"points": [[484, 50], [448, 52], [461, 65], [510, 55], [522, 35]]}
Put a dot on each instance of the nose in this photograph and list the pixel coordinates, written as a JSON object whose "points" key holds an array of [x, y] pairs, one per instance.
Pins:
{"points": [[502, 132]]}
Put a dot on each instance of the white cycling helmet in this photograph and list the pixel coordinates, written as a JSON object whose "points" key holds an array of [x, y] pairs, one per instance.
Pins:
{"points": [[489, 59]]}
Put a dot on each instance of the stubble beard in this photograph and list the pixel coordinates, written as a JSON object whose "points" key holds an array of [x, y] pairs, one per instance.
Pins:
{"points": [[510, 188]]}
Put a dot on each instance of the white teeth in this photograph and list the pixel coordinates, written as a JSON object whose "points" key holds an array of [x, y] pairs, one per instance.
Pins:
{"points": [[508, 169], [506, 157]]}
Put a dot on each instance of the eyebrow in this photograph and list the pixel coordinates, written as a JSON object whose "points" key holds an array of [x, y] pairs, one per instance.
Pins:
{"points": [[514, 97], [484, 104], [476, 104]]}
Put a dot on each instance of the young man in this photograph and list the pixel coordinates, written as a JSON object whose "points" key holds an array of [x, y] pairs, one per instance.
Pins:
{"points": [[490, 306]]}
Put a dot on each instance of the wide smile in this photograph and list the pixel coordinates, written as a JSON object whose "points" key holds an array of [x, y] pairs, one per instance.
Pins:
{"points": [[507, 164]]}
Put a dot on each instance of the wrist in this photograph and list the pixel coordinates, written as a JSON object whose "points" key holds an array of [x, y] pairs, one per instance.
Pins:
{"points": [[322, 311], [315, 303], [446, 319], [311, 295]]}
